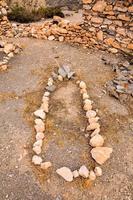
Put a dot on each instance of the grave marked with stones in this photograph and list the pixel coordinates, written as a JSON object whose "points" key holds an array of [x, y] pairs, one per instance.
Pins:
{"points": [[99, 153]]}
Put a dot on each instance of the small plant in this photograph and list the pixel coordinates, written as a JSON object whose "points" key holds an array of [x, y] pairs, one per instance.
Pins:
{"points": [[22, 15]]}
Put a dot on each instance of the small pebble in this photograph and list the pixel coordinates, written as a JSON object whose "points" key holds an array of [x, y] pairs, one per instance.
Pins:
{"points": [[85, 96], [39, 136], [92, 176], [82, 85], [46, 165], [40, 113], [38, 143], [98, 171], [97, 141], [90, 114], [60, 78], [37, 149], [75, 174], [65, 173], [93, 126]]}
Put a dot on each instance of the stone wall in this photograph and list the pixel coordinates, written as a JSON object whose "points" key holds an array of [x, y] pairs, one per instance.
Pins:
{"points": [[109, 23], [5, 25]]}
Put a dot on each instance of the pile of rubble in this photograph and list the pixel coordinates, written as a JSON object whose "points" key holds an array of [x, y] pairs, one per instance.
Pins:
{"points": [[122, 84], [8, 50], [5, 26], [109, 23]]}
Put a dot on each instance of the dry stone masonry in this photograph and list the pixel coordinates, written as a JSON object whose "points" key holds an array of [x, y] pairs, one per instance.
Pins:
{"points": [[107, 25], [99, 153]]}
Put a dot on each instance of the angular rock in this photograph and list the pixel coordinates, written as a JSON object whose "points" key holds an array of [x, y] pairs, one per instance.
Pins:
{"points": [[83, 171], [82, 85], [40, 113], [39, 136], [97, 141], [62, 72], [65, 173], [37, 160], [101, 154]]}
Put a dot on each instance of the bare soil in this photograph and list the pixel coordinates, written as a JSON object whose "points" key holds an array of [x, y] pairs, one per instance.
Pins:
{"points": [[21, 90]]}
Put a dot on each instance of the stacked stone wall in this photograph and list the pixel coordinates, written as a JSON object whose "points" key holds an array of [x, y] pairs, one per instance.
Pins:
{"points": [[109, 23]]}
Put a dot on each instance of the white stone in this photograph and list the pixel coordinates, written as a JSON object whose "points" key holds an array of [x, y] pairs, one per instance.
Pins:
{"points": [[37, 160], [86, 101], [75, 174], [39, 136], [98, 171], [101, 154], [46, 94], [92, 175], [83, 171], [38, 143], [65, 173], [82, 85], [51, 37], [90, 114], [37, 149], [40, 113], [93, 126], [97, 141], [46, 165]]}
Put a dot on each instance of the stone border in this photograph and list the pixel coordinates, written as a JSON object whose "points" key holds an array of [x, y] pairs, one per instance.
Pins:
{"points": [[99, 153]]}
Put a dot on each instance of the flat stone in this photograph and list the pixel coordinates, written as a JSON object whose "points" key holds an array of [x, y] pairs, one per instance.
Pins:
{"points": [[97, 141], [62, 72], [83, 171], [65, 173], [101, 154], [99, 6]]}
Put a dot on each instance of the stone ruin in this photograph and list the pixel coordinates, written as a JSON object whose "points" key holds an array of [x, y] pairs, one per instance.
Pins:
{"points": [[107, 25]]}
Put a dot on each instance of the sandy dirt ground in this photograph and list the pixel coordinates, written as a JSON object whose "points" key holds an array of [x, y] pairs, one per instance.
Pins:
{"points": [[21, 89]]}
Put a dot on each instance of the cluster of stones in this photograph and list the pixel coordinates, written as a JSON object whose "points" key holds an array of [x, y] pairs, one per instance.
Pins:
{"points": [[106, 25], [5, 26], [109, 23], [9, 50], [122, 84], [99, 153]]}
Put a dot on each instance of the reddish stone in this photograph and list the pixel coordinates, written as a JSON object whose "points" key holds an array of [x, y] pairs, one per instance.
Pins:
{"points": [[130, 46], [121, 31], [86, 1], [123, 17], [100, 35], [97, 20], [99, 6], [130, 9]]}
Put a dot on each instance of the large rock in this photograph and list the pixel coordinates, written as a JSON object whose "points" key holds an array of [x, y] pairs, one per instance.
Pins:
{"points": [[101, 154], [65, 173]]}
